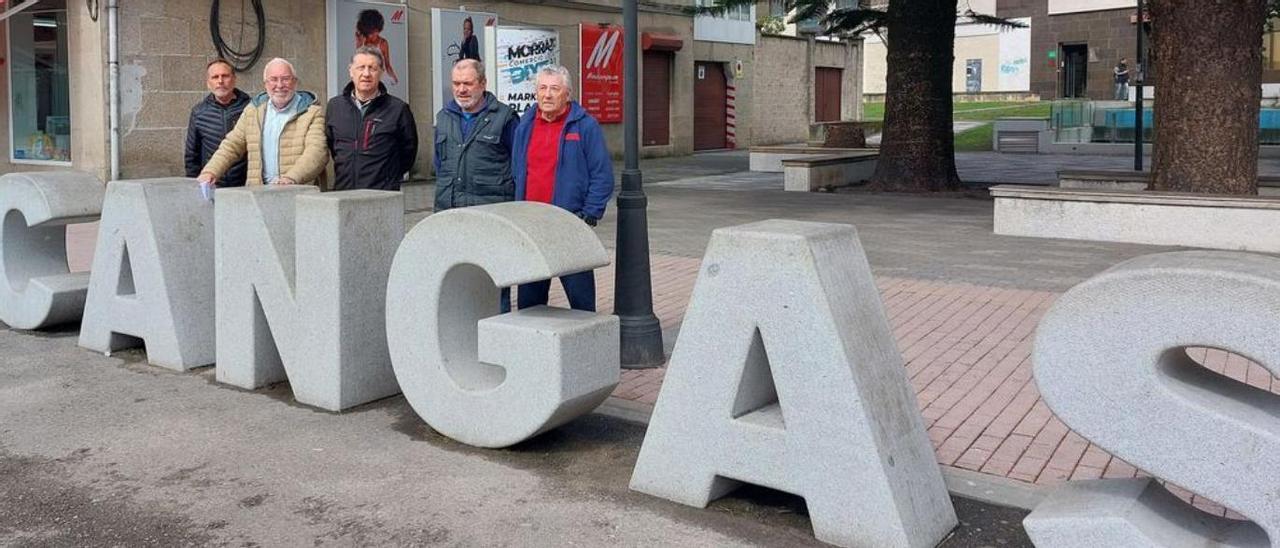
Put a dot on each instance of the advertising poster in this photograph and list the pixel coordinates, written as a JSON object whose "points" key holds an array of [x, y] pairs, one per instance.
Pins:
{"points": [[601, 72], [384, 26], [521, 53], [457, 35]]}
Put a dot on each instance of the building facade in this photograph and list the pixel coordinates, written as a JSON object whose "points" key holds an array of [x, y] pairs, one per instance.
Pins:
{"points": [[703, 79]]}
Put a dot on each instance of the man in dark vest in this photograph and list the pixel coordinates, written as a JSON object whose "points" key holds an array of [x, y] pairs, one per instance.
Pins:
{"points": [[371, 134], [212, 118], [474, 134]]}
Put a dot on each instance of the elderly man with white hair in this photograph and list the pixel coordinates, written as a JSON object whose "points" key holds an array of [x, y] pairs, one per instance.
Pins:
{"points": [[281, 132], [560, 157]]}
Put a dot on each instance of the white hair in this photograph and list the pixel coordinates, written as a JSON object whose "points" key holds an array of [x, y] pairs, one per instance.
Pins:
{"points": [[278, 61], [559, 71]]}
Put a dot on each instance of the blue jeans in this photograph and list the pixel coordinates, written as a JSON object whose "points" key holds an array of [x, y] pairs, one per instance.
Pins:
{"points": [[1122, 91], [579, 287]]}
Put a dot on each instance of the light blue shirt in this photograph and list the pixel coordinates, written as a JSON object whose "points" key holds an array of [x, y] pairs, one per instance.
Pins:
{"points": [[272, 127]]}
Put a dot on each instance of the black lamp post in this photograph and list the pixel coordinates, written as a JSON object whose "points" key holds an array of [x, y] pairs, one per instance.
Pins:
{"points": [[633, 288]]}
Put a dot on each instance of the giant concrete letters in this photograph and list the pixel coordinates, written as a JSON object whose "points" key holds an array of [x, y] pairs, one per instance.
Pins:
{"points": [[1110, 360], [153, 274], [493, 382], [786, 375], [301, 286], [36, 287]]}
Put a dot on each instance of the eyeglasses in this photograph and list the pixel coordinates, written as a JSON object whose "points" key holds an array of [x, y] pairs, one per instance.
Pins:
{"points": [[280, 80]]}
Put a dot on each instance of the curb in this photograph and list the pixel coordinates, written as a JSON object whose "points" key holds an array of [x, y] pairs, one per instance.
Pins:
{"points": [[960, 482]]}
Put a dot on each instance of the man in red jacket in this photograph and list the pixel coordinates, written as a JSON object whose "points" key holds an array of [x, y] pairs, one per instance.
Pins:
{"points": [[560, 157]]}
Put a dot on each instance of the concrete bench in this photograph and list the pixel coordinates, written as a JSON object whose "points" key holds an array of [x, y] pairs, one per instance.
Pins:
{"points": [[769, 158], [1157, 218], [809, 173], [1136, 181]]}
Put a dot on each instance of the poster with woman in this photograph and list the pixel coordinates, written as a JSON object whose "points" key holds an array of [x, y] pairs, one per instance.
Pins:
{"points": [[383, 26], [457, 35]]}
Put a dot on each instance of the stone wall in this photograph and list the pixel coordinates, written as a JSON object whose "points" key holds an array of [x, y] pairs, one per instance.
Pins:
{"points": [[164, 46], [783, 91]]}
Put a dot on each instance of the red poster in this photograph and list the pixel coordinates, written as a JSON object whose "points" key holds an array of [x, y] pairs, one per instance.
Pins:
{"points": [[601, 72]]}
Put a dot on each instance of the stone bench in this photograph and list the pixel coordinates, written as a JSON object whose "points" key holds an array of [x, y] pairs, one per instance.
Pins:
{"points": [[1136, 181], [1245, 223], [769, 158], [809, 173]]}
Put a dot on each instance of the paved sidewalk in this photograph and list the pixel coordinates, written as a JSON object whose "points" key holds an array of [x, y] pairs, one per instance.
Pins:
{"points": [[963, 303]]}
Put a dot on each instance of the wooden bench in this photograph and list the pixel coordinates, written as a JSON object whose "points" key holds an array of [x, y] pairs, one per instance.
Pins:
{"points": [[812, 172], [769, 158], [1135, 181]]}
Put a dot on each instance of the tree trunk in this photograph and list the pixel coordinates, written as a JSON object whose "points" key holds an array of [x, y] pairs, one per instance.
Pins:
{"points": [[1208, 82], [917, 148]]}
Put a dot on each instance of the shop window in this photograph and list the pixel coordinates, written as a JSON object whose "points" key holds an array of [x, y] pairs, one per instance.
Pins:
{"points": [[39, 92]]}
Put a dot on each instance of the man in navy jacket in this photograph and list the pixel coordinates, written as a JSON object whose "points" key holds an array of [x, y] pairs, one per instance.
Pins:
{"points": [[560, 157]]}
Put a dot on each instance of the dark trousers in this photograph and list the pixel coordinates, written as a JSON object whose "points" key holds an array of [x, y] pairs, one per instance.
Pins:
{"points": [[580, 288], [504, 301]]}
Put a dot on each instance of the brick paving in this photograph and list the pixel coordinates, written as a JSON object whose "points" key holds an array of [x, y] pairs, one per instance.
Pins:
{"points": [[967, 351]]}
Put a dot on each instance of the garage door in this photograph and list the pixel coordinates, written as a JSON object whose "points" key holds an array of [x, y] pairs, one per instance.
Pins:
{"points": [[709, 104]]}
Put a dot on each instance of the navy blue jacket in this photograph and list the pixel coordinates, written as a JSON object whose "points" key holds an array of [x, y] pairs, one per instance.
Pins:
{"points": [[584, 172], [209, 123]]}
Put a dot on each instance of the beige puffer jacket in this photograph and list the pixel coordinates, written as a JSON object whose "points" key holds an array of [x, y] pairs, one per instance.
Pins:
{"points": [[303, 153]]}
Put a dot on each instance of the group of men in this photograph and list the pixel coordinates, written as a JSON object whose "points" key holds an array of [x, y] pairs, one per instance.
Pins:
{"points": [[484, 152]]}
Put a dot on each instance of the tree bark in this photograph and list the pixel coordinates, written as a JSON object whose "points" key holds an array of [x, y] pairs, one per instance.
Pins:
{"points": [[917, 148], [1208, 94]]}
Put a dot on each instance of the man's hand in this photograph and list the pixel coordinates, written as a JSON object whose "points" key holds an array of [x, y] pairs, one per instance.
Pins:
{"points": [[284, 181], [591, 221], [206, 178]]}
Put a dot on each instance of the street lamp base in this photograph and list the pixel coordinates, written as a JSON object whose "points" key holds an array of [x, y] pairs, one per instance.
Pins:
{"points": [[641, 342]]}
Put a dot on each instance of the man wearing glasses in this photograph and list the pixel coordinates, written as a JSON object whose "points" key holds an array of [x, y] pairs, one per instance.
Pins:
{"points": [[281, 132]]}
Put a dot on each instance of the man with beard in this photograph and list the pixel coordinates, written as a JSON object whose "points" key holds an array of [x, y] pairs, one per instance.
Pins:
{"points": [[474, 134]]}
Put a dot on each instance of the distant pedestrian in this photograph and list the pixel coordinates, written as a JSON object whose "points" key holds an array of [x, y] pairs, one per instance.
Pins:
{"points": [[370, 134], [212, 118], [474, 136], [281, 132], [561, 158], [1122, 80]]}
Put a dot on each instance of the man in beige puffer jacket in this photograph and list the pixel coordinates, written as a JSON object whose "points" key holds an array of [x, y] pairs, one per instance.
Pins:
{"points": [[281, 131]]}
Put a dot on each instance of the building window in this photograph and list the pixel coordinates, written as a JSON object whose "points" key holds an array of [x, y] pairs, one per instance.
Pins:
{"points": [[736, 13], [39, 93], [777, 8]]}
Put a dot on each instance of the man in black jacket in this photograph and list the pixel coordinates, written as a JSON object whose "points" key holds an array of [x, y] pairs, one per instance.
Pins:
{"points": [[212, 118], [371, 134]]}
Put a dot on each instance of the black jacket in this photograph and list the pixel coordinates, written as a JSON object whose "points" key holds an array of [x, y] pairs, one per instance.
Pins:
{"points": [[370, 149], [209, 124]]}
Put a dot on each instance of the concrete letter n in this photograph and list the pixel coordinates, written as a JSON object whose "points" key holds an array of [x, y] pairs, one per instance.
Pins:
{"points": [[496, 381], [301, 287], [152, 279], [786, 375], [37, 288]]}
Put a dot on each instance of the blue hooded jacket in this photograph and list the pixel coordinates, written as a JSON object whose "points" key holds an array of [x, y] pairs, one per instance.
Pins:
{"points": [[584, 172]]}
